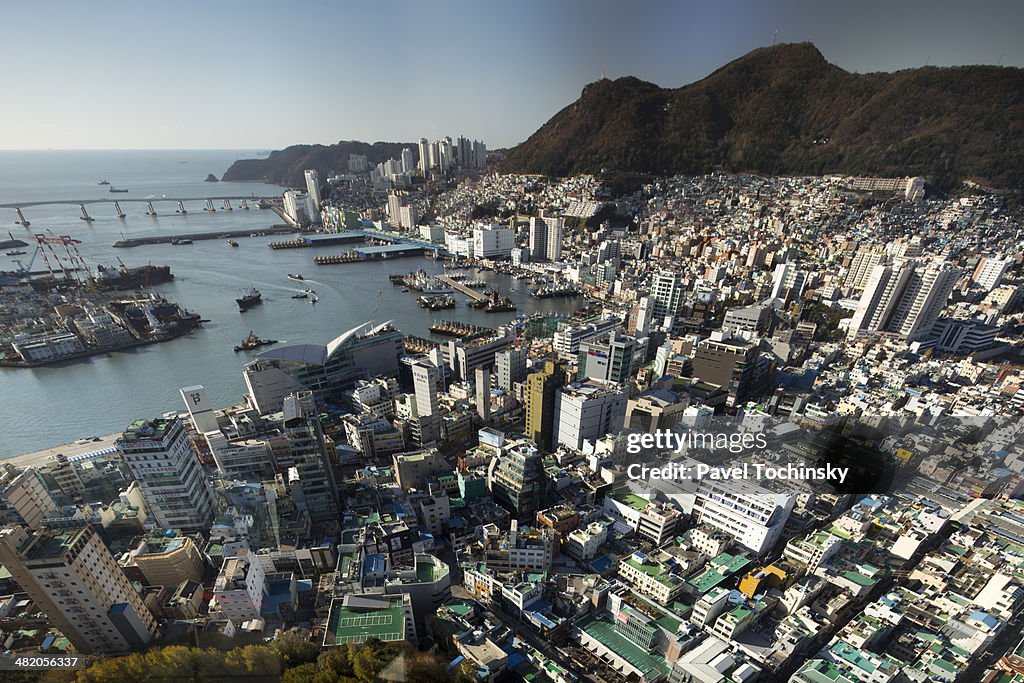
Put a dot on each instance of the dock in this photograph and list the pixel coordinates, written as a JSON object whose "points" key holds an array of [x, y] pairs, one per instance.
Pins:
{"points": [[195, 236], [473, 294], [464, 331]]}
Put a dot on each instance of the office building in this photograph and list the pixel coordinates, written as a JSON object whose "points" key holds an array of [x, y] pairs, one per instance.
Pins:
{"points": [[516, 480], [735, 364], [586, 411], [71, 576], [541, 392], [752, 319], [493, 241], [510, 367], [426, 381], [607, 359], [160, 456], [754, 516], [904, 300], [413, 469], [546, 238], [566, 341], [317, 490], [464, 357]]}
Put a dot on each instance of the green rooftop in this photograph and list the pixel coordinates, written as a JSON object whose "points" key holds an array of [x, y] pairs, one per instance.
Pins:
{"points": [[380, 617], [650, 665], [655, 570], [706, 581], [632, 500], [859, 579], [728, 564]]}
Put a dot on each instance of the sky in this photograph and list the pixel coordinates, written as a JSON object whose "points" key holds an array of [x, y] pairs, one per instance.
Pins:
{"points": [[264, 75]]}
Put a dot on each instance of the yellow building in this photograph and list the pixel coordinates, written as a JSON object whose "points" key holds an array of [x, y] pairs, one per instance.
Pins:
{"points": [[763, 578], [541, 389]]}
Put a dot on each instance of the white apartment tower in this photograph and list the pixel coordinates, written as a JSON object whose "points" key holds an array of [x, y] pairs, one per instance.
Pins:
{"points": [[904, 299], [160, 457], [989, 272], [313, 188], [546, 238], [407, 165], [73, 578]]}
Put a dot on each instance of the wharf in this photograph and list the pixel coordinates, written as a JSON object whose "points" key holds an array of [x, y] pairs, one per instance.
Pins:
{"points": [[463, 289], [81, 449], [167, 239]]}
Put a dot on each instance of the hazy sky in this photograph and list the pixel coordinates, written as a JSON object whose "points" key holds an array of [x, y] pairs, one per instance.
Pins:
{"points": [[255, 74]]}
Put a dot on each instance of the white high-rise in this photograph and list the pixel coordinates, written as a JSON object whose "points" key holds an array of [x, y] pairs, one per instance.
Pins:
{"points": [[424, 156], [666, 295], [426, 380], [160, 457], [313, 188], [546, 238], [989, 272], [903, 299], [586, 411], [407, 165]]}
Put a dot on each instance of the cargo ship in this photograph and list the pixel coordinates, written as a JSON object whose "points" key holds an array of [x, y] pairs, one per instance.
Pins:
{"points": [[131, 278], [249, 298]]}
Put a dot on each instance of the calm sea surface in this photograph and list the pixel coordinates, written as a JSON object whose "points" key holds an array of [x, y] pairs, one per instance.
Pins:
{"points": [[43, 407]]}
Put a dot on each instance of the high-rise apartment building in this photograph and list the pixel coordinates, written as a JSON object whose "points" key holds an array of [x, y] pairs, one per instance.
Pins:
{"points": [[516, 480], [546, 238], [73, 578], [788, 282], [483, 393], [904, 299], [424, 149], [541, 391], [989, 272], [313, 190], [407, 164], [863, 262], [160, 456]]}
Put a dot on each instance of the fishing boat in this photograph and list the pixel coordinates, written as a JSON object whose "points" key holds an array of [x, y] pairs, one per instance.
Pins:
{"points": [[313, 299], [300, 295], [180, 241], [309, 290], [295, 276], [103, 182], [232, 243]]}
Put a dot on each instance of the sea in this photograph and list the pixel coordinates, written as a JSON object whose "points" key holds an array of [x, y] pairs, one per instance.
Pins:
{"points": [[49, 406]]}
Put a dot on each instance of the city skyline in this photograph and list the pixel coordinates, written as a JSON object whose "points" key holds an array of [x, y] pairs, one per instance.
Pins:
{"points": [[494, 73]]}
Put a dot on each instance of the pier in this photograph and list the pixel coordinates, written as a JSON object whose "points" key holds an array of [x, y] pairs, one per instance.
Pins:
{"points": [[195, 236], [463, 289]]}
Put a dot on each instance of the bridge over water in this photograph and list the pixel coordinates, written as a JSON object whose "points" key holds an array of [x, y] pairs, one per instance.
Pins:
{"points": [[122, 200]]}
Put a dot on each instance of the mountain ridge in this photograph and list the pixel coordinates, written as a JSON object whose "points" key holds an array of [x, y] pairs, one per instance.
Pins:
{"points": [[287, 166], [787, 110]]}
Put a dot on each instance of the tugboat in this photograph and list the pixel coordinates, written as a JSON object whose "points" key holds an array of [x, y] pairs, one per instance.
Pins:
{"points": [[252, 341], [232, 243], [249, 298], [295, 276]]}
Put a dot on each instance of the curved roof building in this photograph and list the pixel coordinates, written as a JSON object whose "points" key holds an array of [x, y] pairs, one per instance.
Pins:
{"points": [[325, 369]]}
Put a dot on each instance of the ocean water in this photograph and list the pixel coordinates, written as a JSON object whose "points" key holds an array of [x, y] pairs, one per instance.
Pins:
{"points": [[48, 406]]}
